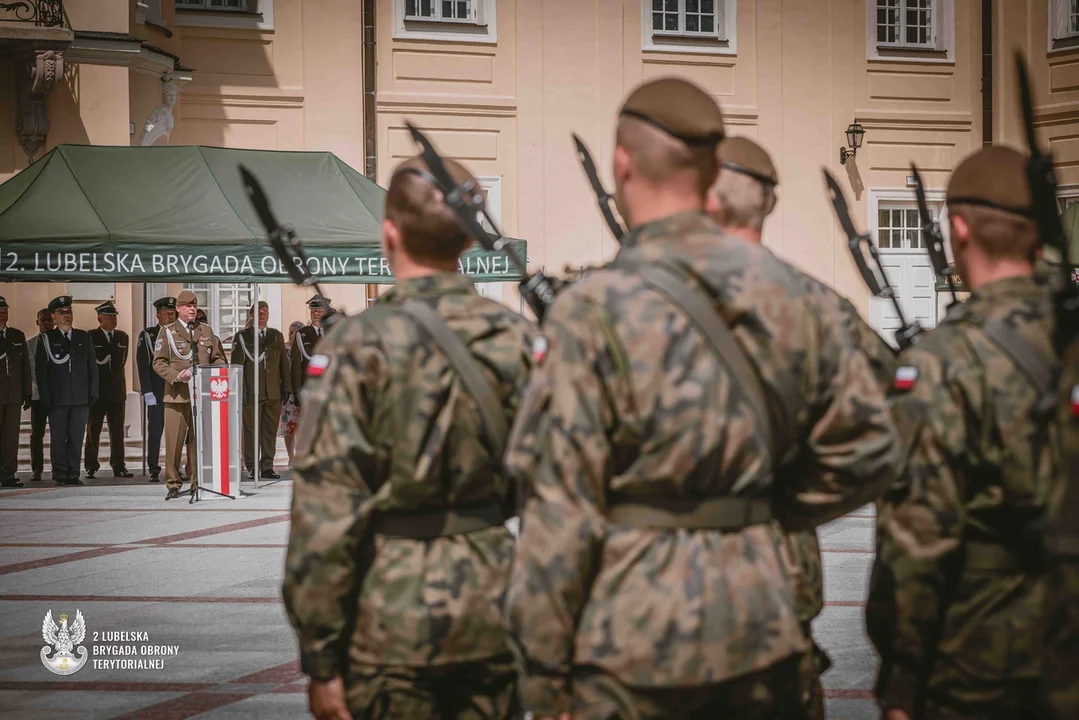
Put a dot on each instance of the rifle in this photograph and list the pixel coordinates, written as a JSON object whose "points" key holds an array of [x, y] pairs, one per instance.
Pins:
{"points": [[284, 242], [878, 286], [468, 204], [1043, 189], [934, 241], [603, 198]]}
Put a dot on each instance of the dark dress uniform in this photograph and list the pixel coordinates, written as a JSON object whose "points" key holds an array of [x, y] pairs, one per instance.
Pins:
{"points": [[275, 384], [68, 384], [303, 348], [15, 390], [151, 384], [111, 350]]}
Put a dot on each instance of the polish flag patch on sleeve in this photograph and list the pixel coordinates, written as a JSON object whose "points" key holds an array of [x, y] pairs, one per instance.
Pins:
{"points": [[905, 377], [317, 366], [1075, 401]]}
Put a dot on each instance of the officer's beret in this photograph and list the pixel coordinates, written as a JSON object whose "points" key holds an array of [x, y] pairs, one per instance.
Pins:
{"points": [[678, 108], [417, 166], [742, 155], [186, 297], [165, 303], [106, 308], [64, 301], [3, 303], [318, 302], [994, 177]]}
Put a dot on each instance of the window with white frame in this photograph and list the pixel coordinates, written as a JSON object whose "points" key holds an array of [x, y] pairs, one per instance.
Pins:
{"points": [[1066, 197], [899, 226], [233, 5], [918, 30], [1063, 24], [905, 23], [227, 307], [453, 20], [689, 25]]}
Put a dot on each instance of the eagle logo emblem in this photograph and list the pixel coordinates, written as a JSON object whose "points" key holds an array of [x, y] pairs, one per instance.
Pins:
{"points": [[60, 641], [219, 389]]}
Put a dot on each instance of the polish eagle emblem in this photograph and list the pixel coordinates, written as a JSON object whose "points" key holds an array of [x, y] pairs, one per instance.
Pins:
{"points": [[61, 641], [219, 388]]}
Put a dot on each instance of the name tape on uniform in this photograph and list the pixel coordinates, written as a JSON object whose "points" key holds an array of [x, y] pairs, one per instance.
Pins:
{"points": [[905, 377], [317, 366]]}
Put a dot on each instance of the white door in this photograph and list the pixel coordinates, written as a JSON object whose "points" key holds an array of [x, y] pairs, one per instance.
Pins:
{"points": [[906, 263]]}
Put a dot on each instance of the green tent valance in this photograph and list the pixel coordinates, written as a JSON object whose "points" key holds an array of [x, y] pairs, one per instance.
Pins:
{"points": [[160, 214]]}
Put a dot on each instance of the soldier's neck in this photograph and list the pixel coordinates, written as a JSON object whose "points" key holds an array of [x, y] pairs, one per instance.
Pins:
{"points": [[408, 270], [983, 274], [3, 325], [660, 205], [745, 233]]}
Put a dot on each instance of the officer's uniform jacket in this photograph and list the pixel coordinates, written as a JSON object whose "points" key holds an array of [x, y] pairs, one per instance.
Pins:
{"points": [[177, 348], [111, 359], [149, 381], [16, 383], [66, 370], [274, 375], [303, 348], [956, 596]]}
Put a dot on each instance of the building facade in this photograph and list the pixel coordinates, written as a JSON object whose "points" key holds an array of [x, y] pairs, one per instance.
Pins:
{"points": [[502, 84]]}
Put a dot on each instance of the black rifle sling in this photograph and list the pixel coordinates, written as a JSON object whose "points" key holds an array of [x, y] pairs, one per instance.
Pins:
{"points": [[697, 305], [467, 368], [1038, 369]]}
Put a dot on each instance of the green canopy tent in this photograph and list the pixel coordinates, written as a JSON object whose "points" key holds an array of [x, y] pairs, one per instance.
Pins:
{"points": [[180, 214], [161, 214]]}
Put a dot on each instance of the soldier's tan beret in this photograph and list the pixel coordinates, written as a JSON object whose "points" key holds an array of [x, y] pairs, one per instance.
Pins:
{"points": [[678, 108], [993, 177], [742, 155], [417, 166], [186, 297]]}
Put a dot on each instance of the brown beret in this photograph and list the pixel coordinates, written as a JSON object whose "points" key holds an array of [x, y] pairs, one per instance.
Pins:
{"points": [[186, 297], [678, 108], [417, 166], [994, 177], [742, 155]]}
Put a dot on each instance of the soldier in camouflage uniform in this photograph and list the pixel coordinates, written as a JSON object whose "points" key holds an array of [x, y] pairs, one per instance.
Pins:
{"points": [[650, 578], [1061, 657], [956, 596], [398, 555], [743, 196]]}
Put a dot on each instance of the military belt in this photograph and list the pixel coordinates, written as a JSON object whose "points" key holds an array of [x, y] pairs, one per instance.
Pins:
{"points": [[727, 513], [991, 556], [437, 523]]}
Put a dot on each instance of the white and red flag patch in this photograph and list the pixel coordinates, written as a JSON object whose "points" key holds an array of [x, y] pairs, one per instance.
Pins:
{"points": [[539, 350], [317, 366], [1075, 401], [905, 377]]}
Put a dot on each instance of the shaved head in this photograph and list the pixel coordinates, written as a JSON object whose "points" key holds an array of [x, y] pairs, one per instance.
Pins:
{"points": [[742, 201], [665, 160]]}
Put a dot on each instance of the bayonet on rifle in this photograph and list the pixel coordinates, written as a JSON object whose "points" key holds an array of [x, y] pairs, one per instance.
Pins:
{"points": [[283, 240], [603, 198], [1043, 189], [875, 278], [934, 241], [467, 203]]}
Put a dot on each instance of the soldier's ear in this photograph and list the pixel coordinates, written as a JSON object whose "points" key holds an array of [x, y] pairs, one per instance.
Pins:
{"points": [[623, 165]]}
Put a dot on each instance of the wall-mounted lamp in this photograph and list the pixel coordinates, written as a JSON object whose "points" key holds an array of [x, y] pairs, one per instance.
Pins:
{"points": [[855, 133]]}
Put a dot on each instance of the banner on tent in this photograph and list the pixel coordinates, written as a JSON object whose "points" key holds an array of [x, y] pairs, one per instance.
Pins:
{"points": [[136, 262]]}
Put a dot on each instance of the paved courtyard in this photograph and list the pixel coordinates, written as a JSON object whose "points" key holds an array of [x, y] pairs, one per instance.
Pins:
{"points": [[198, 587]]}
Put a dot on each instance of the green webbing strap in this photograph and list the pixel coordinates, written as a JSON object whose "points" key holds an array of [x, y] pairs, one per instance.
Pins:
{"points": [[467, 368], [727, 513], [697, 305], [1038, 369]]}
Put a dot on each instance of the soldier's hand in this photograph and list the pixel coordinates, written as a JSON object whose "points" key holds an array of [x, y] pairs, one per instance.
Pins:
{"points": [[184, 375], [326, 700], [896, 714]]}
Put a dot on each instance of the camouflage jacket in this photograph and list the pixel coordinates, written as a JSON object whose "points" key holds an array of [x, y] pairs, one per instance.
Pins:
{"points": [[1061, 659], [955, 603], [630, 399], [388, 426], [804, 546]]}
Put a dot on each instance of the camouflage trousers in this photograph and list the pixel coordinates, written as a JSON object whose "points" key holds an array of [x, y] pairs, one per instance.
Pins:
{"points": [[484, 690], [771, 694], [1011, 700]]}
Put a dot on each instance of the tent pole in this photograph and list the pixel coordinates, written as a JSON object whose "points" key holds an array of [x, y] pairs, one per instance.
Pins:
{"points": [[142, 401], [256, 405]]}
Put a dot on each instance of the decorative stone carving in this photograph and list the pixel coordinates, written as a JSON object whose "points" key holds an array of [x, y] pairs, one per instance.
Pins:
{"points": [[161, 122], [36, 78]]}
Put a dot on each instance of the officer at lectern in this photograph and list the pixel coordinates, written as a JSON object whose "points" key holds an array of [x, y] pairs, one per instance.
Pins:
{"points": [[179, 347]]}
